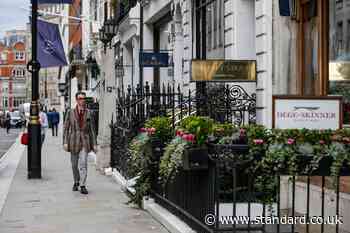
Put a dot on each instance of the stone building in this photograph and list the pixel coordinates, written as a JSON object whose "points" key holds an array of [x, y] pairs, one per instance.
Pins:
{"points": [[12, 75]]}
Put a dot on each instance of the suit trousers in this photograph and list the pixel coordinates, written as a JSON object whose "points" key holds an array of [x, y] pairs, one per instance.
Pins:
{"points": [[79, 167]]}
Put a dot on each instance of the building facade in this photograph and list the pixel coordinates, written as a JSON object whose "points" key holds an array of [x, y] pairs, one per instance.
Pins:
{"points": [[13, 62], [304, 51], [300, 47]]}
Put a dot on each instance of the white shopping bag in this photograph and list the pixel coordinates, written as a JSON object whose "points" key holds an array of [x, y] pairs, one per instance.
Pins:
{"points": [[92, 157]]}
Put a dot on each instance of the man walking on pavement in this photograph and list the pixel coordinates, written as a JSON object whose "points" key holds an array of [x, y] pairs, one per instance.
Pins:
{"points": [[79, 139], [55, 120]]}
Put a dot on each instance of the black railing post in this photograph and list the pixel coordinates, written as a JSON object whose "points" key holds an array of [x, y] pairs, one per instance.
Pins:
{"points": [[147, 96]]}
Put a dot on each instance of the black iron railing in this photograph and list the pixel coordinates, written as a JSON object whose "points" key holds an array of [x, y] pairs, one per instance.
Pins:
{"points": [[230, 103], [223, 198]]}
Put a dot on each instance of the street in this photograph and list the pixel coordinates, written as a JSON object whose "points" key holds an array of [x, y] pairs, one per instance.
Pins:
{"points": [[6, 140]]}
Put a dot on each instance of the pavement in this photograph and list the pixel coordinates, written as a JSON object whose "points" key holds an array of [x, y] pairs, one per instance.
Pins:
{"points": [[48, 204]]}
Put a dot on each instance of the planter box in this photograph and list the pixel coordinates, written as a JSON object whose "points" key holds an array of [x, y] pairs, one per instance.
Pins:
{"points": [[218, 151], [323, 168], [232, 148], [195, 159], [345, 171]]}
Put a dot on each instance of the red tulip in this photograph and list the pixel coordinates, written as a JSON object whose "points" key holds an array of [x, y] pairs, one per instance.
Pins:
{"points": [[290, 141], [258, 141], [191, 138]]}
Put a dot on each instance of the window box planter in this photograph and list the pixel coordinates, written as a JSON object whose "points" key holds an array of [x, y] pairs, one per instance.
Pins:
{"points": [[323, 168], [195, 158]]}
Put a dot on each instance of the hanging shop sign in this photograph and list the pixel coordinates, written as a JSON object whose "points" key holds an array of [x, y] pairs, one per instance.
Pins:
{"points": [[299, 112], [223, 70], [151, 59]]}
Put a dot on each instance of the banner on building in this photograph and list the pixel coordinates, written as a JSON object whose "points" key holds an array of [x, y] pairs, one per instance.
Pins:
{"points": [[152, 59], [304, 112], [50, 48], [223, 70]]}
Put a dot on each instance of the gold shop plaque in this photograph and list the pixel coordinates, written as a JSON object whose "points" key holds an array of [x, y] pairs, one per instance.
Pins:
{"points": [[223, 70]]}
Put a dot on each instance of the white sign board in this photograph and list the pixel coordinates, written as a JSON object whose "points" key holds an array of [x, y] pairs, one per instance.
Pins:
{"points": [[292, 112]]}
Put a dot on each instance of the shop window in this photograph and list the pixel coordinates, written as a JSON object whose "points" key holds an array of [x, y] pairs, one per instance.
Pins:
{"points": [[308, 48], [339, 53]]}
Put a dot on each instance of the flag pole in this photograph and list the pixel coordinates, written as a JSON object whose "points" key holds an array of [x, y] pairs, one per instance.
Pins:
{"points": [[34, 146]]}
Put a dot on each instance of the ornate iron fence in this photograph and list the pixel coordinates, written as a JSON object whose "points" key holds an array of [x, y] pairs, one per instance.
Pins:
{"points": [[224, 198], [230, 103]]}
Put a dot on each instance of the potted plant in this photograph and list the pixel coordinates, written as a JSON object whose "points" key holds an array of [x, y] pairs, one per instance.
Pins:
{"points": [[146, 150], [195, 130]]}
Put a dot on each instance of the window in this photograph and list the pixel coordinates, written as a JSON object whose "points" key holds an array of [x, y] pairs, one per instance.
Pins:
{"points": [[339, 53], [211, 33], [339, 4], [209, 26], [339, 38], [57, 9], [105, 11], [19, 56], [3, 58], [5, 102], [348, 37]]}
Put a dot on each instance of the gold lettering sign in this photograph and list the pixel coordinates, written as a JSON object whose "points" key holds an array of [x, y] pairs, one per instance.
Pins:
{"points": [[223, 70]]}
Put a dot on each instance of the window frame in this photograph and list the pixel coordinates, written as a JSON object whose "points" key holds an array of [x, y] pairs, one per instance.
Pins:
{"points": [[321, 84]]}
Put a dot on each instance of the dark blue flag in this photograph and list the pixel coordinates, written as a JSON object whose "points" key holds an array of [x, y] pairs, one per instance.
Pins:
{"points": [[50, 48], [55, 1]]}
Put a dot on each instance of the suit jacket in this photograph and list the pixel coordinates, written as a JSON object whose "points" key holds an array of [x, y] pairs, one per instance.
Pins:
{"points": [[77, 138]]}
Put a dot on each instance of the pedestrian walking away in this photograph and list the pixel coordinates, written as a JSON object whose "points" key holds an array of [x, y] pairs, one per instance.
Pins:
{"points": [[8, 122], [49, 118], [55, 120], [79, 139], [43, 123]]}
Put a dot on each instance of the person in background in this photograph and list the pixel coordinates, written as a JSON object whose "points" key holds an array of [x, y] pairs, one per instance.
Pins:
{"points": [[55, 120], [8, 122], [44, 124], [49, 118]]}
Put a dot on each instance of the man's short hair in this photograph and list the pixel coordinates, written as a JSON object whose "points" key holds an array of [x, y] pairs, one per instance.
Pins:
{"points": [[80, 93]]}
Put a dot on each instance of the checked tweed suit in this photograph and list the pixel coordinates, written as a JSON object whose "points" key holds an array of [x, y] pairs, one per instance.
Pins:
{"points": [[80, 140]]}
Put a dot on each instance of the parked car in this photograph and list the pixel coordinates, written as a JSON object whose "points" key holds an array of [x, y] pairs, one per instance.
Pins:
{"points": [[16, 119]]}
